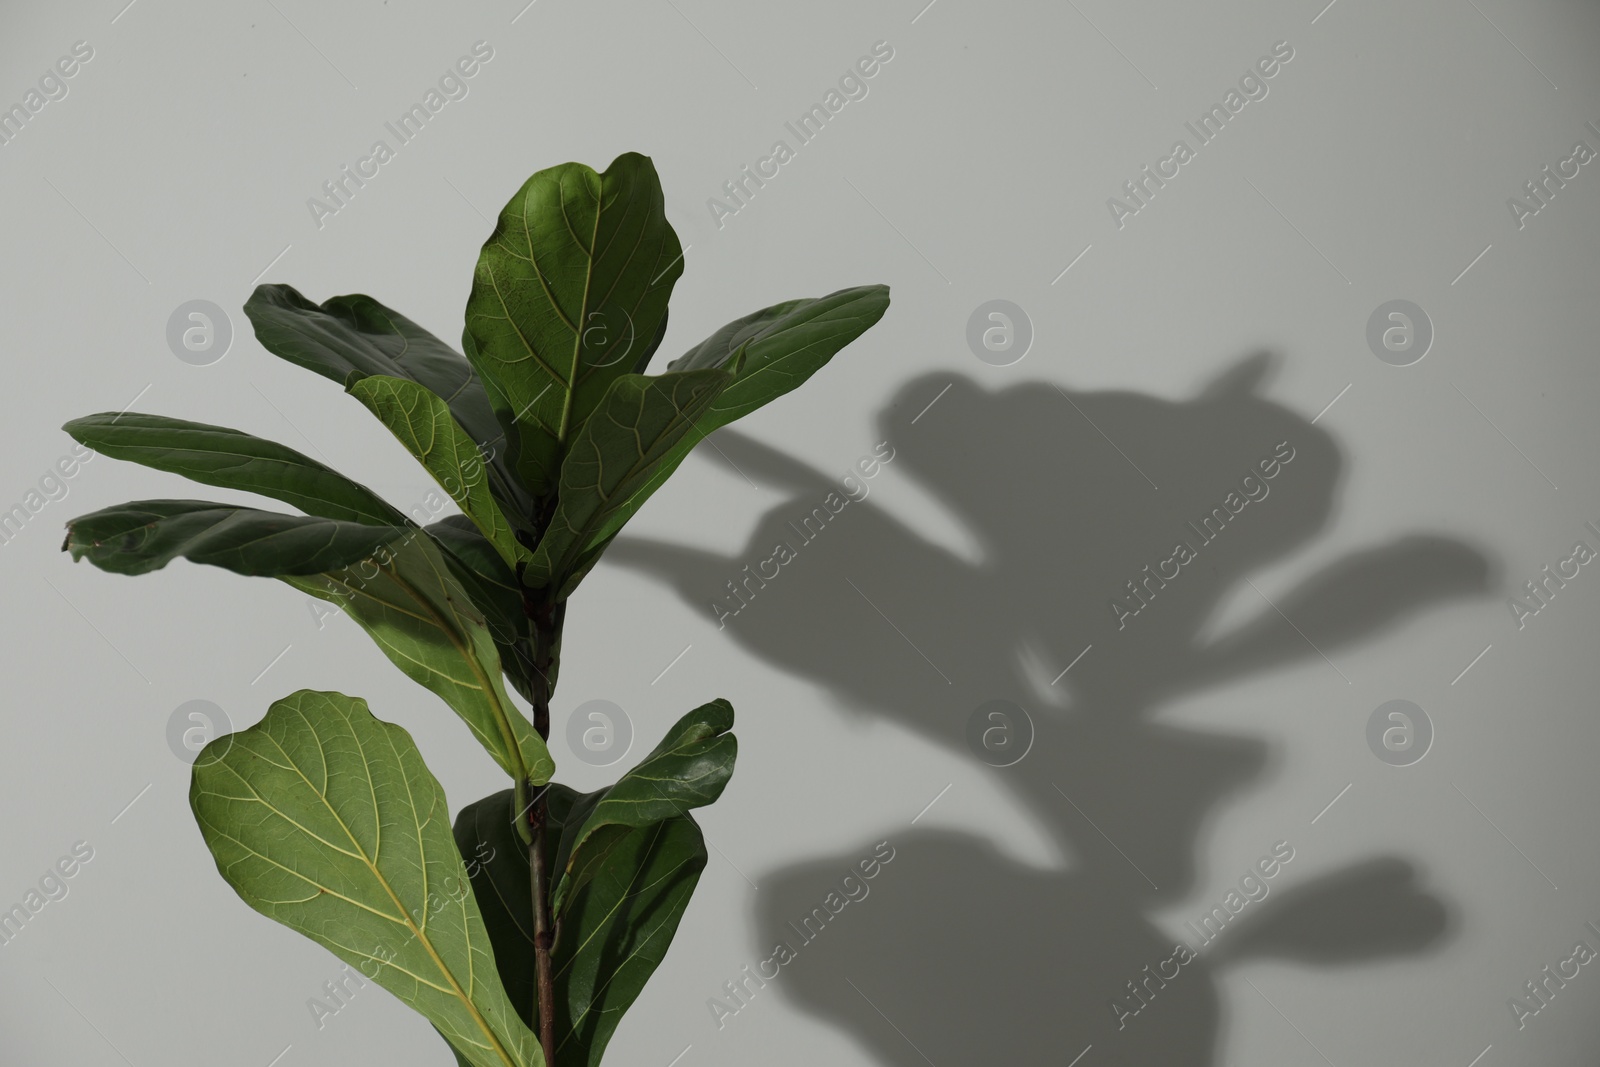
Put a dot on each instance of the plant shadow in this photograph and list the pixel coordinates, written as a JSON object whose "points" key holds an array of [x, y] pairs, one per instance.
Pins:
{"points": [[969, 955]]}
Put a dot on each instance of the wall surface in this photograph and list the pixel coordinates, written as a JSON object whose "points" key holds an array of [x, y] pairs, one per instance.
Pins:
{"points": [[1101, 740]]}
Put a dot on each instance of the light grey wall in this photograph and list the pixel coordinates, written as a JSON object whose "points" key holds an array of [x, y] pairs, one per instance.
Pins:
{"points": [[1228, 314]]}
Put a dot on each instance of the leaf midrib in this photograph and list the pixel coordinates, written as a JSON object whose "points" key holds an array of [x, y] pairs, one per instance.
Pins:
{"points": [[420, 933]]}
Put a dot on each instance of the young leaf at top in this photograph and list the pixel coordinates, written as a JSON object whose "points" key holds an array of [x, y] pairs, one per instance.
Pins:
{"points": [[569, 289], [423, 423], [326, 819], [616, 451], [688, 769], [355, 336], [232, 459], [410, 603]]}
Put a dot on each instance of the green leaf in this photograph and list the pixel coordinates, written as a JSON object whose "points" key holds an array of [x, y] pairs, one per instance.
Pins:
{"points": [[356, 336], [770, 352], [783, 346], [461, 1061], [615, 932], [232, 459], [688, 769], [410, 603], [325, 819], [616, 452], [495, 592], [422, 422], [497, 859], [145, 535], [394, 581], [569, 288]]}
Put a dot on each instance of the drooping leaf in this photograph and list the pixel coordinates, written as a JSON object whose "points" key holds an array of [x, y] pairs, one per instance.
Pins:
{"points": [[145, 535], [770, 352], [355, 335], [327, 820], [410, 603], [232, 459], [615, 930], [423, 423], [569, 289], [615, 453], [688, 769]]}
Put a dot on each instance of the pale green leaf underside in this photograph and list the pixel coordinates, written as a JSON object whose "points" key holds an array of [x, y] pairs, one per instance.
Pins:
{"points": [[325, 819], [413, 607]]}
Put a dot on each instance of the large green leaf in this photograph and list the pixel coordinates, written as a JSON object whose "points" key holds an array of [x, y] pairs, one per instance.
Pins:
{"points": [[614, 933], [617, 451], [409, 601], [145, 535], [423, 423], [327, 820], [355, 336], [569, 289], [770, 352], [688, 769], [232, 459]]}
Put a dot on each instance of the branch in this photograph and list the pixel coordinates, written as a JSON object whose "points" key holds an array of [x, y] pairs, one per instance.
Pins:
{"points": [[546, 621]]}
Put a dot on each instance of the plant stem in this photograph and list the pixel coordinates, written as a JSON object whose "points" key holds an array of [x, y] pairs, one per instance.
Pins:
{"points": [[546, 622], [542, 940]]}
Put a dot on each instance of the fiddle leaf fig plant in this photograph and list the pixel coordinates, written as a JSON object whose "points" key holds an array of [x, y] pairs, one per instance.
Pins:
{"points": [[526, 933]]}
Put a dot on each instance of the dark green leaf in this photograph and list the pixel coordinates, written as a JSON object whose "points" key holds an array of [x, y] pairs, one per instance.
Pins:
{"points": [[770, 352], [355, 335], [569, 289], [232, 459], [688, 769], [616, 452], [497, 859], [495, 592], [325, 819], [783, 346], [615, 931], [145, 535]]}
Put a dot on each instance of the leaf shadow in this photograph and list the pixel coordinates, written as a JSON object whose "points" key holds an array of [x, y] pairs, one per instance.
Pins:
{"points": [[1070, 497]]}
